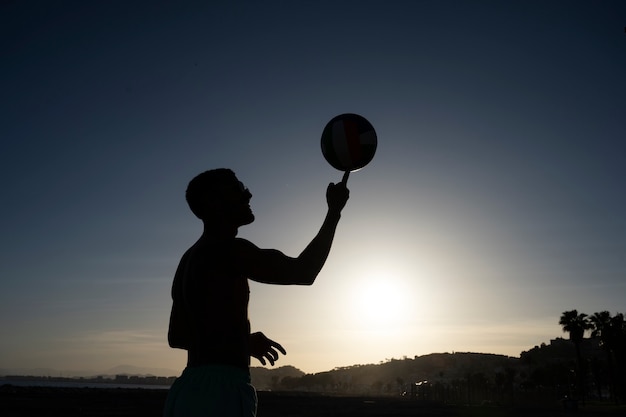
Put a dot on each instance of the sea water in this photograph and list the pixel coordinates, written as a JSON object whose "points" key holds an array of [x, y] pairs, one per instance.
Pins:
{"points": [[76, 384]]}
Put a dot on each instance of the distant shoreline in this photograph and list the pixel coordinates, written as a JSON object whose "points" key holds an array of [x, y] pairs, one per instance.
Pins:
{"points": [[76, 383]]}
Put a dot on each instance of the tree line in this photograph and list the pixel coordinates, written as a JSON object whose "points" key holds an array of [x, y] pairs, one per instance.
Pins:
{"points": [[591, 365], [610, 333]]}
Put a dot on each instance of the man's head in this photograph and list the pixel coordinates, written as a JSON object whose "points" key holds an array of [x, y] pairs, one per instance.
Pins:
{"points": [[218, 196]]}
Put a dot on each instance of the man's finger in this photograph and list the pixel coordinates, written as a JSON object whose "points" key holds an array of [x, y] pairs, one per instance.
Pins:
{"points": [[279, 347]]}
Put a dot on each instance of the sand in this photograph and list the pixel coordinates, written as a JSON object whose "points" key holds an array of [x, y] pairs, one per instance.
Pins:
{"points": [[96, 402]]}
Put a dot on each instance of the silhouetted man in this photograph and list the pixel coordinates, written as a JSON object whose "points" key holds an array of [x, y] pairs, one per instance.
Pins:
{"points": [[210, 295]]}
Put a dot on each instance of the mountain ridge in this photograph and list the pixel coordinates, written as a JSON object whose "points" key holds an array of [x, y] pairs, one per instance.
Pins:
{"points": [[132, 370]]}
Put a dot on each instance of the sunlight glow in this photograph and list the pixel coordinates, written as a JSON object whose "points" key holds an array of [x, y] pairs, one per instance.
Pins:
{"points": [[381, 299]]}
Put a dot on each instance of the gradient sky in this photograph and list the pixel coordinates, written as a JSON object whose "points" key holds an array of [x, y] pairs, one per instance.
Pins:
{"points": [[495, 202]]}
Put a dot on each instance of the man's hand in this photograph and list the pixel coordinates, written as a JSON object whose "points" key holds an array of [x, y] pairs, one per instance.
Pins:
{"points": [[337, 196], [263, 348]]}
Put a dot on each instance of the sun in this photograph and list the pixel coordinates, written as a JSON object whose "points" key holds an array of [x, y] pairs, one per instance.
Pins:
{"points": [[381, 299]]}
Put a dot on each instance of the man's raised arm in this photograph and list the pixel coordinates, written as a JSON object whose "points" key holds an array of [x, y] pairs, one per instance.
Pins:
{"points": [[273, 267]]}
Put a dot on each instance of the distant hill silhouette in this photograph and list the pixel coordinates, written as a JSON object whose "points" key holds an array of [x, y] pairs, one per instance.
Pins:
{"points": [[542, 366], [265, 379], [395, 375]]}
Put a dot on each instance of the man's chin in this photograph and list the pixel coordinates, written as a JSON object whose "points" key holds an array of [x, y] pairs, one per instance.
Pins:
{"points": [[248, 219]]}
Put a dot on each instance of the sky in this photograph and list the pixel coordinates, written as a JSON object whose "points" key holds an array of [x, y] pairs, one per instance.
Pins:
{"points": [[494, 203]]}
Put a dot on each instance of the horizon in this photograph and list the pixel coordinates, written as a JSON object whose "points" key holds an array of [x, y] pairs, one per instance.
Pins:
{"points": [[132, 370], [493, 204]]}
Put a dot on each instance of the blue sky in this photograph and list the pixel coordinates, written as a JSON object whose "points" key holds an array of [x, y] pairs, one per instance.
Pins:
{"points": [[494, 203]]}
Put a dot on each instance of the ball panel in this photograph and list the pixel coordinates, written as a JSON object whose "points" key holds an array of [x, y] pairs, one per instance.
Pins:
{"points": [[341, 144], [353, 142], [328, 148]]}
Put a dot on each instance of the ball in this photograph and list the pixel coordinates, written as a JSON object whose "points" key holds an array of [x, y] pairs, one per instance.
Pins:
{"points": [[349, 142]]}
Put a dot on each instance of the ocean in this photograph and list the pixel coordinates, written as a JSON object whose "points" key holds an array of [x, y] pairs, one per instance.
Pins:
{"points": [[76, 384]]}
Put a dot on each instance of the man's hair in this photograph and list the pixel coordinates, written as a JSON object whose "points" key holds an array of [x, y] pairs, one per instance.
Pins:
{"points": [[205, 187]]}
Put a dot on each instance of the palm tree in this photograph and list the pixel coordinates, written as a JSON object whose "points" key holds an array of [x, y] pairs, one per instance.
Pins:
{"points": [[576, 324], [619, 324], [601, 329], [609, 330]]}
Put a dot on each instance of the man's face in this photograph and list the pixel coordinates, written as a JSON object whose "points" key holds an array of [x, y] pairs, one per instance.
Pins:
{"points": [[236, 206]]}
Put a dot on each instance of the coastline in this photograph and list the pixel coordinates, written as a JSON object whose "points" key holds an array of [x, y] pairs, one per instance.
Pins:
{"points": [[109, 384]]}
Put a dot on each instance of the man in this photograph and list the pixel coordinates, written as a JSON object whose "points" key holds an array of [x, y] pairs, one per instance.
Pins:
{"points": [[210, 295]]}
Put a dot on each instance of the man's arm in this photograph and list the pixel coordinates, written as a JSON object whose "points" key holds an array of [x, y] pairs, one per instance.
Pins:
{"points": [[273, 267]]}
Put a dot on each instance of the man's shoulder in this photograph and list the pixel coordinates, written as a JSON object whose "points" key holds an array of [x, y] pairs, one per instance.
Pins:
{"points": [[243, 244], [221, 248]]}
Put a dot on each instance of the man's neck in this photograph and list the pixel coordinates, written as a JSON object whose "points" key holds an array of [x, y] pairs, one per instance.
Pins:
{"points": [[221, 230]]}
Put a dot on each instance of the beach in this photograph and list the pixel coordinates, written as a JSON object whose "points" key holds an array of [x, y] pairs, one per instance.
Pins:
{"points": [[125, 402]]}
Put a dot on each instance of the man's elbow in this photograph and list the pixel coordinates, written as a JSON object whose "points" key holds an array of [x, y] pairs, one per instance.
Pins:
{"points": [[309, 281], [307, 278], [304, 276]]}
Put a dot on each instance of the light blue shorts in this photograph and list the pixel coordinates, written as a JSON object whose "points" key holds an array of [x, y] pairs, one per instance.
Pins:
{"points": [[211, 390]]}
